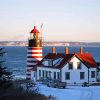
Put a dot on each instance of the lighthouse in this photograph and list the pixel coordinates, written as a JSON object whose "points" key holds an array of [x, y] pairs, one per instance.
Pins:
{"points": [[34, 52]]}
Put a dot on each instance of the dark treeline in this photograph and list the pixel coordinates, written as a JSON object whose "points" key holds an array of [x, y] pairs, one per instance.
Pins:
{"points": [[9, 90]]}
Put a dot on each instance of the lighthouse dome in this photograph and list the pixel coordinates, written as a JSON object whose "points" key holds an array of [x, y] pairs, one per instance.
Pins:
{"points": [[34, 30]]}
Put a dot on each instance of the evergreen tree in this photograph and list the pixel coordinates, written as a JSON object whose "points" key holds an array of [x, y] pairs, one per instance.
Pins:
{"points": [[9, 92], [5, 75]]}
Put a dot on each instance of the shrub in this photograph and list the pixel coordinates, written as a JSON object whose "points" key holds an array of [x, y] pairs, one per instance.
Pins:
{"points": [[18, 93], [85, 84]]}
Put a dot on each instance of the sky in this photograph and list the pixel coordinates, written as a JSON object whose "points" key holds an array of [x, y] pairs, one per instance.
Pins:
{"points": [[63, 20]]}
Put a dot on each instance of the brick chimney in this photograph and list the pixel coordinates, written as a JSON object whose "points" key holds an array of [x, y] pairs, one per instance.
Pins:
{"points": [[66, 50], [81, 50], [54, 50]]}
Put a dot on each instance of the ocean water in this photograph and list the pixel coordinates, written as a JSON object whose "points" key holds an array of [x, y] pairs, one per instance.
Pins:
{"points": [[16, 57]]}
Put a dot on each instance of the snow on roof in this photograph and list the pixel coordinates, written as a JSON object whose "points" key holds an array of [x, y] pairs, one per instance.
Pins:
{"points": [[60, 60]]}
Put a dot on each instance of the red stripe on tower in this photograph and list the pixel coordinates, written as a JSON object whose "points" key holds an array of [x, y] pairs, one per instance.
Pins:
{"points": [[34, 52]]}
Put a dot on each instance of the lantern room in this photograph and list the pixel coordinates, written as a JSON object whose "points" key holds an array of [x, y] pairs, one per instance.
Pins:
{"points": [[35, 39]]}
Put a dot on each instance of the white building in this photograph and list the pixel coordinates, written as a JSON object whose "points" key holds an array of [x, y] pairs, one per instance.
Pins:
{"points": [[73, 68]]}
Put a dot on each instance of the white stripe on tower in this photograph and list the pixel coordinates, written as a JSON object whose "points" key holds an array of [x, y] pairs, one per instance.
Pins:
{"points": [[34, 55]]}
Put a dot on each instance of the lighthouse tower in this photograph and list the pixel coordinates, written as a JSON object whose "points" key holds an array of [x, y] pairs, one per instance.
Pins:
{"points": [[34, 52]]}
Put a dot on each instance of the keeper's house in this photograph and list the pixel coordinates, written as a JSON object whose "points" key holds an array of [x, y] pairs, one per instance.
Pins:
{"points": [[73, 68]]}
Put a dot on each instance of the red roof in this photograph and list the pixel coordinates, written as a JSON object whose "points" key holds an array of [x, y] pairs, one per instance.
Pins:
{"points": [[86, 58], [66, 58], [34, 30], [53, 56]]}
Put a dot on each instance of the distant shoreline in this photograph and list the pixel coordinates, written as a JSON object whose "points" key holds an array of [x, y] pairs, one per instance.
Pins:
{"points": [[25, 43]]}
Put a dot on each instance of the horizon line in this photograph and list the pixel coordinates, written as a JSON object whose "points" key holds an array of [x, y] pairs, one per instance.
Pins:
{"points": [[49, 41]]}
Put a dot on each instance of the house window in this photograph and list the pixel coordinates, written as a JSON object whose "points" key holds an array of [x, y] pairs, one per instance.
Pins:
{"points": [[70, 65], [58, 75], [92, 74], [39, 73], [34, 74], [67, 75], [46, 73], [78, 65], [50, 74], [43, 73], [54, 75], [82, 75], [50, 63], [47, 62]]}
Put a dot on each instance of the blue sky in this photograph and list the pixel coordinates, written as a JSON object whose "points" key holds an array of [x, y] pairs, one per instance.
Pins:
{"points": [[63, 20]]}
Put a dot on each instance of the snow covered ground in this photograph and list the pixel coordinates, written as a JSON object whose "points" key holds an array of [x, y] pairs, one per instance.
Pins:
{"points": [[72, 92]]}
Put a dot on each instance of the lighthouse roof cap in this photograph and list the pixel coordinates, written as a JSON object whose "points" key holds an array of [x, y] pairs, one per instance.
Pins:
{"points": [[34, 30]]}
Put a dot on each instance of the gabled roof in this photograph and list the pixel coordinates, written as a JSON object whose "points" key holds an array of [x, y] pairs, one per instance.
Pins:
{"points": [[66, 58], [53, 56], [85, 58]]}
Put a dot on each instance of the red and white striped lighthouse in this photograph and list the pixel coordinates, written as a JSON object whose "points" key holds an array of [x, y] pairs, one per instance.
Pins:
{"points": [[34, 52]]}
